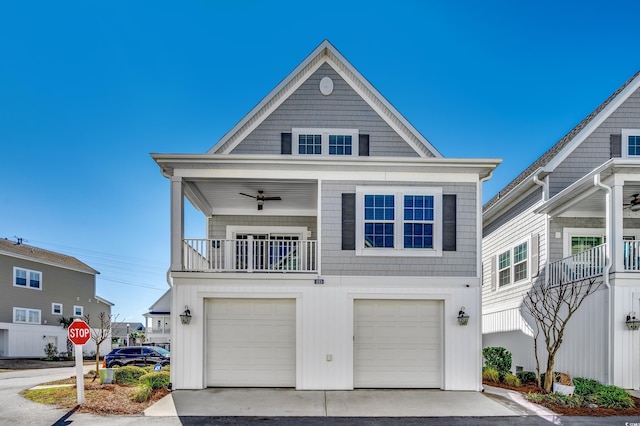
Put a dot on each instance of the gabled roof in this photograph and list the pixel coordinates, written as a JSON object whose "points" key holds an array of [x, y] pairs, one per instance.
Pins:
{"points": [[120, 328], [325, 53], [162, 305], [561, 149], [36, 254]]}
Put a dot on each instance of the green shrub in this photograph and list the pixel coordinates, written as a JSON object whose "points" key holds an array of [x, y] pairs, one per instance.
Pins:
{"points": [[586, 387], [156, 380], [50, 350], [142, 394], [556, 399], [128, 375], [491, 375], [511, 380], [527, 377], [612, 397], [497, 358]]}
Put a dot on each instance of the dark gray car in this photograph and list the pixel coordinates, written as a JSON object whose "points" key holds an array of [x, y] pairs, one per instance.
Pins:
{"points": [[137, 355]]}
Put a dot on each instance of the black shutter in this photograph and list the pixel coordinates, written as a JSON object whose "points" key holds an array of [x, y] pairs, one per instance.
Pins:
{"points": [[348, 221], [363, 145], [285, 143], [449, 222], [616, 145]]}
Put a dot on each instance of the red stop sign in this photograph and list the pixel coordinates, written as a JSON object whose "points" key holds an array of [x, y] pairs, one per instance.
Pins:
{"points": [[79, 332]]}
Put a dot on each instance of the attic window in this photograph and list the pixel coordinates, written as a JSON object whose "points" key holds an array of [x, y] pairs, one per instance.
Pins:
{"points": [[631, 142], [338, 142]]}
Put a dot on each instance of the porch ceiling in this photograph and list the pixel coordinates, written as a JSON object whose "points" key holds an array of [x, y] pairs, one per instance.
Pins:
{"points": [[223, 196]]}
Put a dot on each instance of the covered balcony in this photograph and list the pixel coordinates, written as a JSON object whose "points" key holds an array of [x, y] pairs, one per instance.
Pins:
{"points": [[594, 224]]}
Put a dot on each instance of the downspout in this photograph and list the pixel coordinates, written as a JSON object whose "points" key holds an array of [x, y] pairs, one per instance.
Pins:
{"points": [[545, 197], [479, 267], [607, 283]]}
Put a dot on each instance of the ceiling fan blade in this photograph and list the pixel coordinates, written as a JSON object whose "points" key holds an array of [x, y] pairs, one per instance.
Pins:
{"points": [[247, 195], [271, 198]]}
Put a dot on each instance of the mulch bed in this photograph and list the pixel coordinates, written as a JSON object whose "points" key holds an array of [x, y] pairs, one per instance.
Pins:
{"points": [[569, 411]]}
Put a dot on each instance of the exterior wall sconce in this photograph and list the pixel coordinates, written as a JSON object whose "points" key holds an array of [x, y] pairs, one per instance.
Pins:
{"points": [[632, 323], [463, 318], [185, 317]]}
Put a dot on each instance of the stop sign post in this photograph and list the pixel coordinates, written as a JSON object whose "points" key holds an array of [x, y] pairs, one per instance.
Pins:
{"points": [[79, 333]]}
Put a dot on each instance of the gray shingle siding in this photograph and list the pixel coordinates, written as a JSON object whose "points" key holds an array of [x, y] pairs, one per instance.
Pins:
{"points": [[595, 149], [459, 263], [308, 108]]}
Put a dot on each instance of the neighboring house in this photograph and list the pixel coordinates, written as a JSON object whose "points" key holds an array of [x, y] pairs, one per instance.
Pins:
{"points": [[38, 288], [340, 246], [158, 320], [121, 333], [573, 214]]}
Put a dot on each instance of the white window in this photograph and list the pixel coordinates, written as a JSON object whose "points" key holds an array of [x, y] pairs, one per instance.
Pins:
{"points": [[513, 264], [26, 316], [577, 240], [398, 221], [339, 142], [631, 142], [77, 311], [27, 278], [56, 308]]}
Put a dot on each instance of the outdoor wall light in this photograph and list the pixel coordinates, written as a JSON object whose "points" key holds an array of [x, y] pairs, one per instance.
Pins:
{"points": [[463, 319], [632, 322], [185, 317]]}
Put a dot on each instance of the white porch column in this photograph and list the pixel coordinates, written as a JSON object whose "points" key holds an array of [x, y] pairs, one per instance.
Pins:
{"points": [[615, 227], [177, 222]]}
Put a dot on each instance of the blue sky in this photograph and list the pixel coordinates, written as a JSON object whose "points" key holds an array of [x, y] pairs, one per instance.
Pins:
{"points": [[89, 89]]}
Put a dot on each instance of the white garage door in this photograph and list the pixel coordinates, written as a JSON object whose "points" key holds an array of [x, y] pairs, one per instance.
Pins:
{"points": [[397, 344], [251, 342]]}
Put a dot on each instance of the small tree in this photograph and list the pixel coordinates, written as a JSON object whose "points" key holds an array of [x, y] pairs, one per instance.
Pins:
{"points": [[65, 323], [552, 306], [137, 337], [100, 333], [499, 359], [50, 350]]}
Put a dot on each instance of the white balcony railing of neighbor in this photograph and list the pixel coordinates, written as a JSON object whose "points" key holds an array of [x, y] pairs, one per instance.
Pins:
{"points": [[159, 330], [580, 266], [632, 255], [250, 255]]}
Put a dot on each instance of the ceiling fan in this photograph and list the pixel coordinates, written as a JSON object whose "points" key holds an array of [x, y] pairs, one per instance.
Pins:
{"points": [[261, 198], [634, 204]]}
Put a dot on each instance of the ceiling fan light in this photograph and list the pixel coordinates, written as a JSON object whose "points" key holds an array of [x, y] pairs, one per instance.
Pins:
{"points": [[635, 207]]}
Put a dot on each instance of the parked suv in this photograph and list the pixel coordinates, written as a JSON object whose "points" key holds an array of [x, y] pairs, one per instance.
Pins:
{"points": [[137, 355]]}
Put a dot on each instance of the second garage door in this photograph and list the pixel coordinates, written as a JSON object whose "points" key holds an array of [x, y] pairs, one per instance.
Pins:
{"points": [[397, 344], [251, 342]]}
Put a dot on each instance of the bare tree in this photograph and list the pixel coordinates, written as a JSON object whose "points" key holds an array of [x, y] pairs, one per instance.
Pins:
{"points": [[552, 306], [100, 333]]}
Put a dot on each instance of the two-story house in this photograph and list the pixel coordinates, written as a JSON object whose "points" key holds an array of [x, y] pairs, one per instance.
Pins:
{"points": [[158, 322], [39, 287], [340, 246], [574, 214]]}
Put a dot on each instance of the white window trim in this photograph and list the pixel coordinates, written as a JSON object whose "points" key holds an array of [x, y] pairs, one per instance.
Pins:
{"points": [[27, 311], [29, 271], [625, 141], [569, 233], [325, 132], [398, 250], [53, 308], [75, 308], [512, 269], [302, 232]]}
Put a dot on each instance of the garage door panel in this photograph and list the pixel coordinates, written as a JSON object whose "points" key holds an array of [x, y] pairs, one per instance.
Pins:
{"points": [[251, 342], [397, 343]]}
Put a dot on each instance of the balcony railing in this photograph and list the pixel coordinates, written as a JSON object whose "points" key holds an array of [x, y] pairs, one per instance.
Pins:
{"points": [[590, 263], [580, 266], [250, 255], [158, 330]]}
